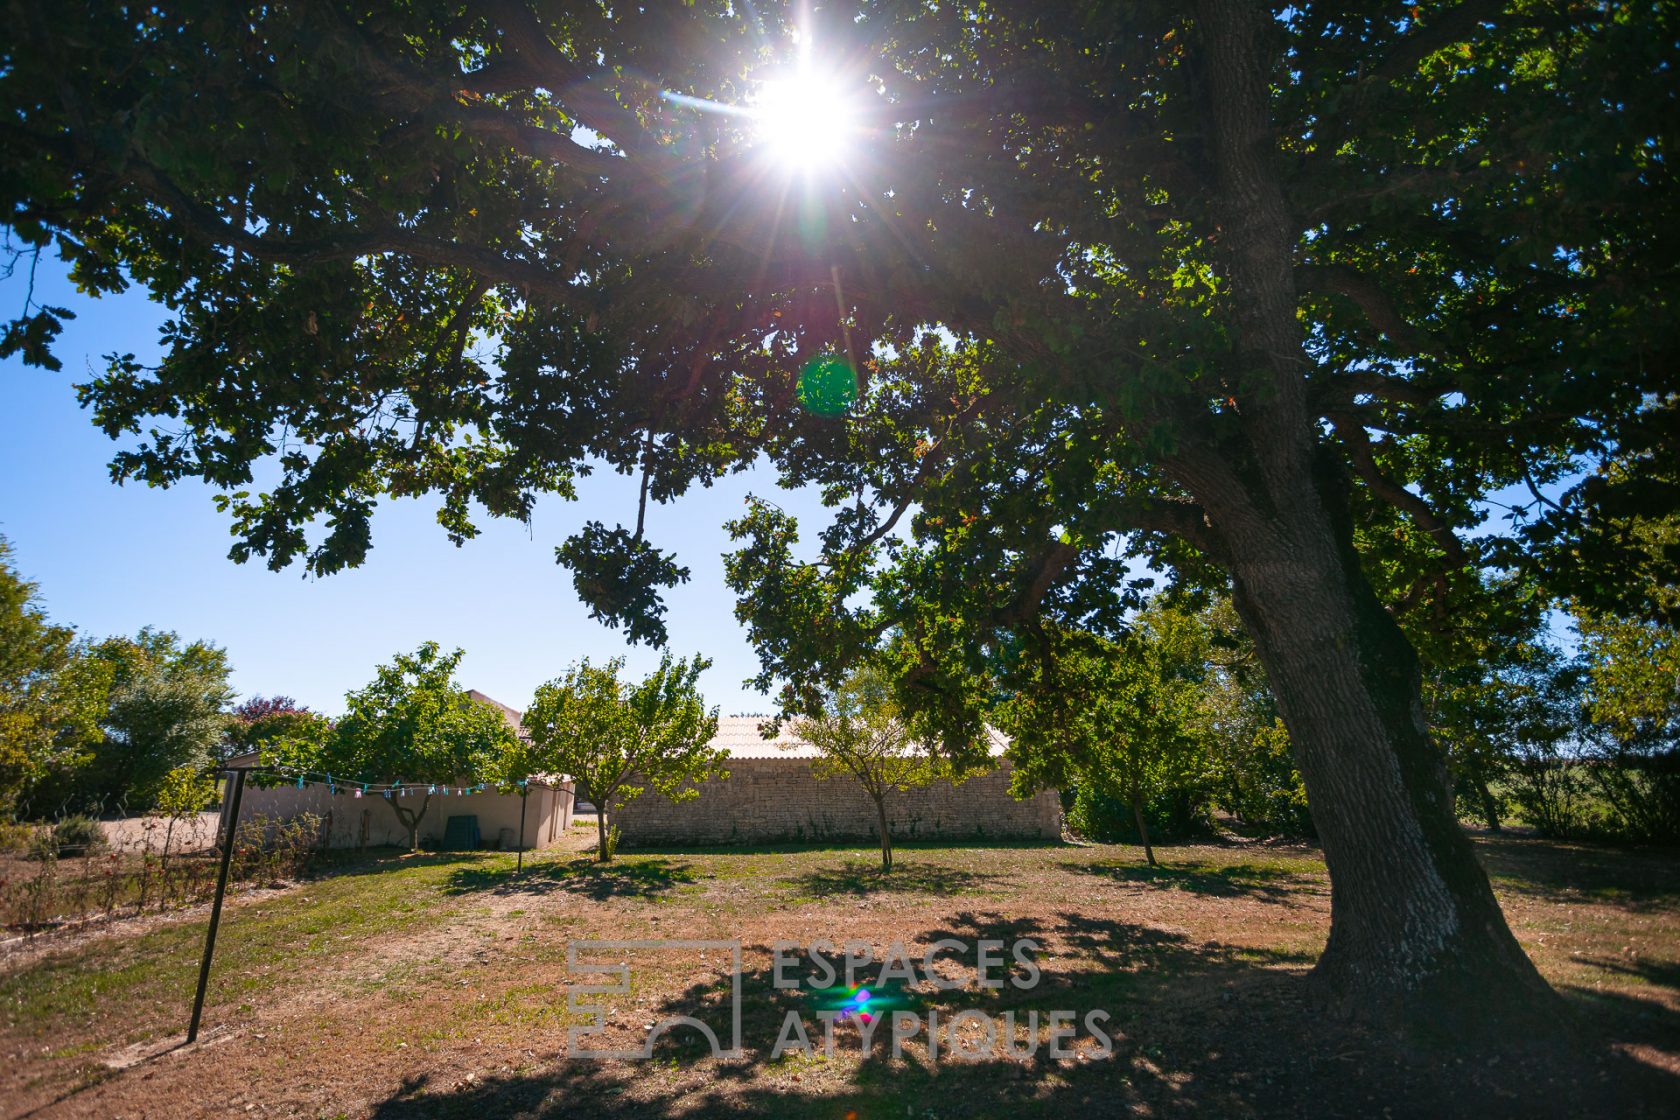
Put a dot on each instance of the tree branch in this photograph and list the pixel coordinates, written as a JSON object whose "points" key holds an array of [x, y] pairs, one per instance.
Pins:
{"points": [[1369, 297], [534, 60], [1173, 516], [211, 227], [1443, 30], [1050, 566], [1342, 388], [1358, 443]]}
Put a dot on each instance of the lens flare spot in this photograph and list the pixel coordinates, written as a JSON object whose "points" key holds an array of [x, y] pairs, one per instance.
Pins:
{"points": [[827, 386]]}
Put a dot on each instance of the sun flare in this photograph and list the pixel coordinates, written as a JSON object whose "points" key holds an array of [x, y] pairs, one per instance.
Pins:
{"points": [[804, 122]]}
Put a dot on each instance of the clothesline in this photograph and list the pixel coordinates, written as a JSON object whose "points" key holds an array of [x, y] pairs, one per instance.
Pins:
{"points": [[398, 788]]}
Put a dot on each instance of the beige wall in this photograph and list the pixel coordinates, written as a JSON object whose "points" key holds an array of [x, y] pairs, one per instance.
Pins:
{"points": [[548, 813], [778, 799]]}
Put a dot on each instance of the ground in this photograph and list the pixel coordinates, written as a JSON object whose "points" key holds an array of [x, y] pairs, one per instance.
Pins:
{"points": [[435, 986]]}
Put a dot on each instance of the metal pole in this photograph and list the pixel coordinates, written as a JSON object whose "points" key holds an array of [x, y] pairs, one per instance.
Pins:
{"points": [[523, 794], [216, 908]]}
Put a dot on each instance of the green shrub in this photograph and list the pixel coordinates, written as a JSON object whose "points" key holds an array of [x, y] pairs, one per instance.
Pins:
{"points": [[1257, 783], [1643, 794], [15, 836], [72, 836], [1552, 796], [1173, 814]]}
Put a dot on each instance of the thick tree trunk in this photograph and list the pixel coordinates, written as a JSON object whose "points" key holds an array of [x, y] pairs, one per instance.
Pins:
{"points": [[1143, 830], [1414, 926], [1415, 932]]}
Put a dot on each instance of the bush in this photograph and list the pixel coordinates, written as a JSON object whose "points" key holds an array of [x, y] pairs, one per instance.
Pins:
{"points": [[1173, 814], [15, 836], [72, 836], [1258, 784], [269, 852], [1552, 795], [1643, 794]]}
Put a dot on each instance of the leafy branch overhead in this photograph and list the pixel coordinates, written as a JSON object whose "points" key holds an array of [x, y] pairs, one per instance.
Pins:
{"points": [[471, 254]]}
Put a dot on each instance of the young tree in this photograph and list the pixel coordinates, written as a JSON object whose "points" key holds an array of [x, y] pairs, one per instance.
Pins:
{"points": [[1631, 711], [861, 735], [183, 792], [411, 724], [51, 694], [1117, 717], [1210, 280], [622, 739], [1254, 774], [1483, 713]]}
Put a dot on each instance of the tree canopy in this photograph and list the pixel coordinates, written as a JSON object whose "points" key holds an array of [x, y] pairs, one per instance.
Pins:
{"points": [[51, 694], [166, 709], [1276, 296], [1122, 718], [413, 723]]}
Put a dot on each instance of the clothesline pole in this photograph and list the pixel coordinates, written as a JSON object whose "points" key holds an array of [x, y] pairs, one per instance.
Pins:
{"points": [[216, 907], [524, 791]]}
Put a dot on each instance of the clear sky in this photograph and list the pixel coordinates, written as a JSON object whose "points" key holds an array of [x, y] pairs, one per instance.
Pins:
{"points": [[111, 559]]}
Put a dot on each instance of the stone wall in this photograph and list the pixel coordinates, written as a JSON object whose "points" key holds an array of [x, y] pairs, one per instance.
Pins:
{"points": [[353, 822], [779, 799]]}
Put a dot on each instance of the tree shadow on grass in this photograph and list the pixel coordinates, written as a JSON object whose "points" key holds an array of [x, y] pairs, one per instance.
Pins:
{"points": [[1662, 974], [622, 878], [1568, 872], [1236, 880], [863, 846], [1209, 1034], [861, 877], [349, 863]]}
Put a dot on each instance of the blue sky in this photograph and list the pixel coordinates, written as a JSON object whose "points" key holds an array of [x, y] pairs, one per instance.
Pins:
{"points": [[111, 559]]}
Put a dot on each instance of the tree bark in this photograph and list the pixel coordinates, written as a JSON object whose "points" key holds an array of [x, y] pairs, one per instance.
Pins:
{"points": [[1415, 931], [410, 819], [886, 834], [1490, 804], [1414, 926], [1143, 830], [603, 854]]}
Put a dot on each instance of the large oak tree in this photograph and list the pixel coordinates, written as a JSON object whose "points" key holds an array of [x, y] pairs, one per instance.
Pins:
{"points": [[1250, 293]]}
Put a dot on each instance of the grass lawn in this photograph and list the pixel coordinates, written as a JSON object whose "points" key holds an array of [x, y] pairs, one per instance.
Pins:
{"points": [[435, 986]]}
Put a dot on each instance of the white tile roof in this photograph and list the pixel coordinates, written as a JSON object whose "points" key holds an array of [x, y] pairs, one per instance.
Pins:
{"points": [[740, 737]]}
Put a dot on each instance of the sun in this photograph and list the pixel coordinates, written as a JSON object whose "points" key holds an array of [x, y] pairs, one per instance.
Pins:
{"points": [[804, 121]]}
